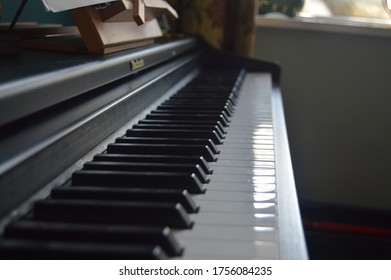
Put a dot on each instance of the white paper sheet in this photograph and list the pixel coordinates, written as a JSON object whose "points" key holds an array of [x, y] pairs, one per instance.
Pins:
{"points": [[63, 5]]}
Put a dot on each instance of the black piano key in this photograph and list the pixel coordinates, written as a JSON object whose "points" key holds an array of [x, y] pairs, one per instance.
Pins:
{"points": [[207, 105], [209, 91], [57, 250], [109, 234], [200, 103], [162, 149], [129, 194], [184, 122], [218, 125], [217, 86], [191, 94], [227, 84], [225, 118], [176, 133], [220, 74], [167, 180], [112, 212], [149, 167], [161, 140], [210, 117], [210, 88], [204, 101], [156, 159], [192, 107], [192, 112], [189, 99], [219, 81], [212, 127]]}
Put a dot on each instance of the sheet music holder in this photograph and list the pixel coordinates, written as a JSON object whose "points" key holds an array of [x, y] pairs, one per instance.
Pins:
{"points": [[121, 25], [106, 28]]}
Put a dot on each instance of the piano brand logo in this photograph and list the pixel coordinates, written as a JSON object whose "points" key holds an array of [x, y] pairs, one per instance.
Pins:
{"points": [[137, 63]]}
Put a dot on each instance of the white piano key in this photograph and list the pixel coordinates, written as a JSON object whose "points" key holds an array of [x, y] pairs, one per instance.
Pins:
{"points": [[249, 139], [236, 219], [242, 164], [241, 187], [263, 131], [235, 233], [237, 207], [249, 157], [225, 249], [234, 145], [235, 178], [267, 171], [248, 142], [215, 195], [251, 130], [247, 152]]}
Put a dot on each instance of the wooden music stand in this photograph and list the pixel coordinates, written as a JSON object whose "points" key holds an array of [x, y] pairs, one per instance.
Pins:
{"points": [[122, 25]]}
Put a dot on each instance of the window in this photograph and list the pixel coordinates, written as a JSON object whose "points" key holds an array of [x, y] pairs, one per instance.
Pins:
{"points": [[370, 9]]}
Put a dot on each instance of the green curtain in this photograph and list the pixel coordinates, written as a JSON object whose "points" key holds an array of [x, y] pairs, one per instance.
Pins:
{"points": [[225, 24]]}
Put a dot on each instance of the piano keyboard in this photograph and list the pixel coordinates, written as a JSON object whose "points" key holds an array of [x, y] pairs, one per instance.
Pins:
{"points": [[238, 216], [194, 179]]}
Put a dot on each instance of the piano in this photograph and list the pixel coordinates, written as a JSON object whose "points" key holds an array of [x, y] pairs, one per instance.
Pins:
{"points": [[172, 150]]}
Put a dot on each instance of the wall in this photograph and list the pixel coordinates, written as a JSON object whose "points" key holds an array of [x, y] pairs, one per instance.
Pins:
{"points": [[337, 100], [34, 11]]}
